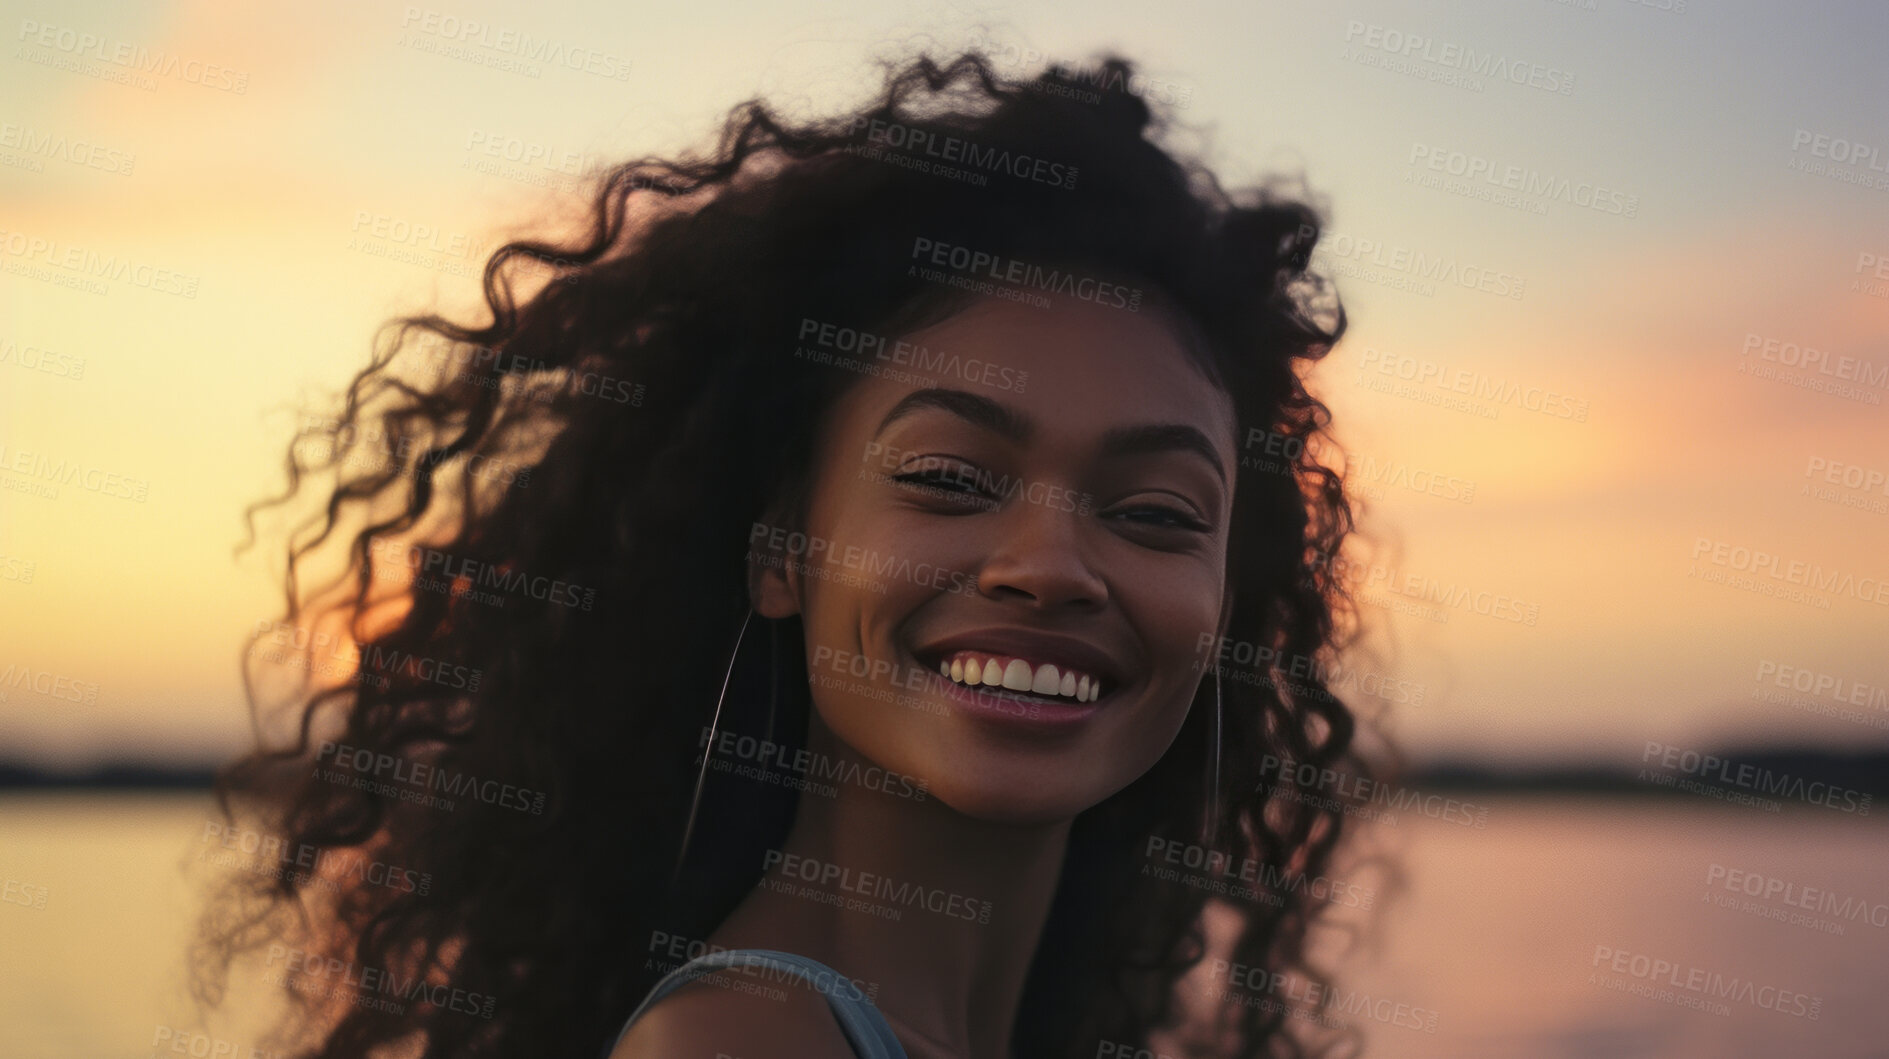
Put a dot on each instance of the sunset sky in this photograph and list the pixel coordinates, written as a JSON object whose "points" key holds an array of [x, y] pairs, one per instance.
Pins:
{"points": [[1743, 155]]}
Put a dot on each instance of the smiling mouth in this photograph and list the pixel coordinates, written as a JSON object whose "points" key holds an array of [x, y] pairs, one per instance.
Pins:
{"points": [[1017, 679], [1016, 703]]}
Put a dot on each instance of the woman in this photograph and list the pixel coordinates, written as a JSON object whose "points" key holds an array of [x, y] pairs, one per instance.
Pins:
{"points": [[836, 560]]}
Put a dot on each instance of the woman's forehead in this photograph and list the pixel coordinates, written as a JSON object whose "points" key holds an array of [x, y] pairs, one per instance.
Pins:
{"points": [[1065, 365]]}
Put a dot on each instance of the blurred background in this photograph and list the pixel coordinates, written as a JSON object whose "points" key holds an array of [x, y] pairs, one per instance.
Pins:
{"points": [[1618, 276]]}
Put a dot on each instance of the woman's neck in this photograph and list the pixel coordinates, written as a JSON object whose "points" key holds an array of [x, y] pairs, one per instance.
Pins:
{"points": [[970, 896]]}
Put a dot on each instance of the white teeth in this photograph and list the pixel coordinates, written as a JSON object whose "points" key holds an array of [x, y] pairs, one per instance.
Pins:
{"points": [[1048, 681], [1018, 675]]}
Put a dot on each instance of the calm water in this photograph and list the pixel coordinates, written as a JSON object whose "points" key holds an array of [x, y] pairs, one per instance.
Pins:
{"points": [[1494, 937], [1499, 932]]}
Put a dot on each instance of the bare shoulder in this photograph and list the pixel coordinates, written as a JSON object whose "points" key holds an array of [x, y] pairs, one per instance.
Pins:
{"points": [[728, 1015]]}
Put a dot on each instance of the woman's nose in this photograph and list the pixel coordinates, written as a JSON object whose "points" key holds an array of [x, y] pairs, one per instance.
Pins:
{"points": [[1037, 555]]}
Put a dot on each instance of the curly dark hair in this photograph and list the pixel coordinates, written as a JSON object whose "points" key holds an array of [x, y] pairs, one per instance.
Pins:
{"points": [[536, 507]]}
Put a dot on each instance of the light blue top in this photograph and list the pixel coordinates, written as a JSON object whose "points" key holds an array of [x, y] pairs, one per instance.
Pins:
{"points": [[865, 1029]]}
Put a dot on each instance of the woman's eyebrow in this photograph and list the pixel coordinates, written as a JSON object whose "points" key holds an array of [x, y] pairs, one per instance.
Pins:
{"points": [[1000, 419], [1014, 426], [1162, 437]]}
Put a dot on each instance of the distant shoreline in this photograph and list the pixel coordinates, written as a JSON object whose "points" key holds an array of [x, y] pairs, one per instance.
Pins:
{"points": [[116, 776], [1865, 772]]}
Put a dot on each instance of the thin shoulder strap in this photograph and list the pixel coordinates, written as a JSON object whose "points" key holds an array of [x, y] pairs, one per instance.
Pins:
{"points": [[865, 1029]]}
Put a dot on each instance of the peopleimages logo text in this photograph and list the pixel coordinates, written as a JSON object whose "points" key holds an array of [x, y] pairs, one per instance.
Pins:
{"points": [[1417, 47], [421, 775], [880, 887], [1024, 274], [510, 41], [965, 152], [1756, 778]]}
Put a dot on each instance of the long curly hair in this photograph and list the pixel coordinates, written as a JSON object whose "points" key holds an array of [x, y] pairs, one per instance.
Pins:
{"points": [[545, 518]]}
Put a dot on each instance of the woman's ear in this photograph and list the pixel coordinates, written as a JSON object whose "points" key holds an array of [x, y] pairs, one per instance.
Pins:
{"points": [[773, 573]]}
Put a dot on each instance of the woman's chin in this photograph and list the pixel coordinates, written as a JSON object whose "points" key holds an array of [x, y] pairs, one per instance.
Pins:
{"points": [[1023, 800]]}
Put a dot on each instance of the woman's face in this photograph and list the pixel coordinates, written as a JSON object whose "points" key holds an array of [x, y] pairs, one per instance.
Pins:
{"points": [[1005, 576]]}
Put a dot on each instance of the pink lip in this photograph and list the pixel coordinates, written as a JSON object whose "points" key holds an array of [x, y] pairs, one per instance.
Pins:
{"points": [[1000, 707]]}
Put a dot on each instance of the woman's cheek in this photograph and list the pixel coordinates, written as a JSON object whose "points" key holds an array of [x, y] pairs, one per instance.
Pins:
{"points": [[1172, 617]]}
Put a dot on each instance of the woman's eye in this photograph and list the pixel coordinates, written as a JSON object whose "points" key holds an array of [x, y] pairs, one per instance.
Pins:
{"points": [[1164, 517], [958, 486], [939, 478]]}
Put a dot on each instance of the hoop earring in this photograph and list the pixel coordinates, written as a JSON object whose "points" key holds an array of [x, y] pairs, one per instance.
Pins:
{"points": [[1212, 811], [773, 674], [695, 801]]}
